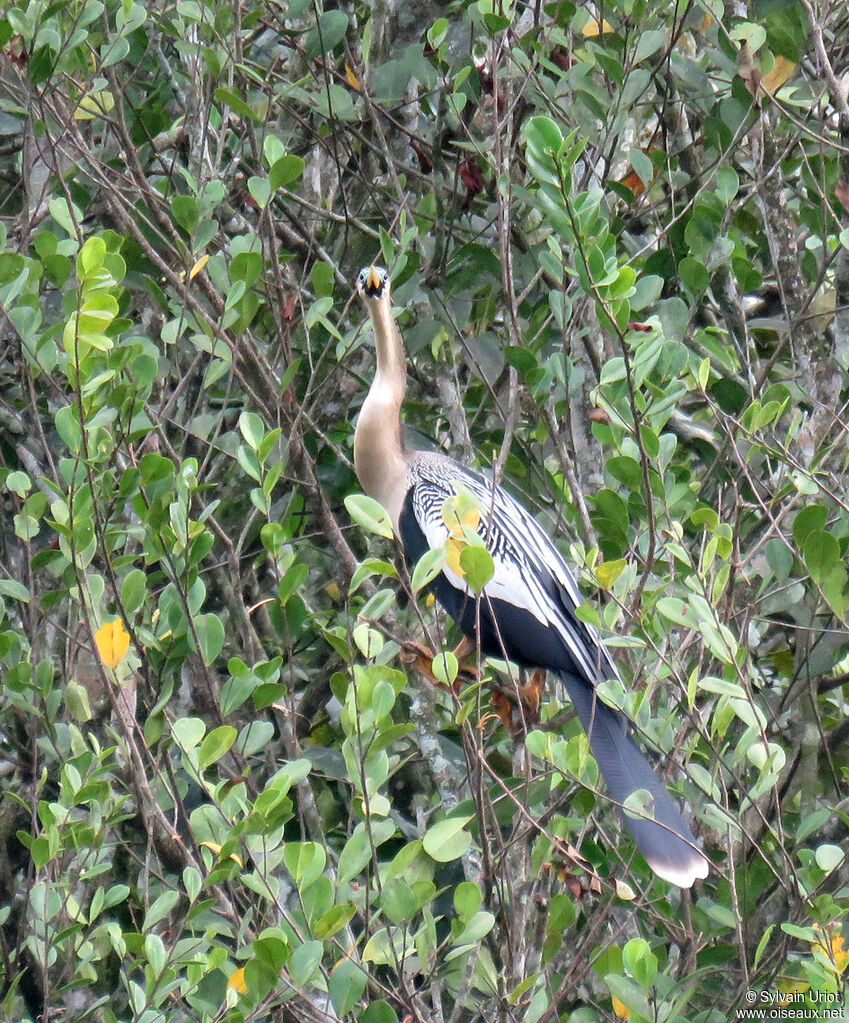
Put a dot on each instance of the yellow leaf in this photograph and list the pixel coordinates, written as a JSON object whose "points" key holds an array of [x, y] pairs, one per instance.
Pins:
{"points": [[332, 590], [196, 269], [94, 104], [833, 949], [625, 891], [113, 642], [608, 572], [216, 848], [459, 511], [237, 981], [351, 77], [620, 1008], [596, 28], [782, 69], [788, 990], [453, 550]]}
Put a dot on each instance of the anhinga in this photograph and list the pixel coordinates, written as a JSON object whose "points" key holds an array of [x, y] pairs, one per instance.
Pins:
{"points": [[526, 613]]}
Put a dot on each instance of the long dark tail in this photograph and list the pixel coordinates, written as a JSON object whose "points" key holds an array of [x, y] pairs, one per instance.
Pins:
{"points": [[665, 840]]}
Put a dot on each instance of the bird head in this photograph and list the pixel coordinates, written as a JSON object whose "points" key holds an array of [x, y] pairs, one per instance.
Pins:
{"points": [[372, 282]]}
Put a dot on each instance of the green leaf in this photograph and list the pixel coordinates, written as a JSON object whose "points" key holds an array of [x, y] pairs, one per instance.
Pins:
{"points": [[333, 920], [630, 994], [12, 265], [829, 857], [694, 274], [821, 552], [648, 43], [133, 590], [304, 962], [369, 514], [116, 894], [543, 133], [305, 861], [356, 852], [376, 605], [186, 211], [428, 568], [626, 470], [346, 986], [809, 519], [252, 429], [284, 171], [834, 590], [495, 22], [467, 899], [236, 104], [369, 567], [447, 840], [215, 745], [445, 667], [188, 732], [12, 588], [154, 949], [722, 687], [719, 639], [327, 33], [260, 190], [322, 278], [477, 927], [77, 701], [640, 961], [762, 945], [727, 184], [90, 257], [246, 268], [678, 611], [211, 637], [379, 1011], [436, 33], [160, 908], [521, 359], [398, 900], [66, 217], [478, 567], [749, 32]]}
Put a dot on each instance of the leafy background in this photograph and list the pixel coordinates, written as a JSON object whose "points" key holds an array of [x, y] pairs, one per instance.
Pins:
{"points": [[618, 238]]}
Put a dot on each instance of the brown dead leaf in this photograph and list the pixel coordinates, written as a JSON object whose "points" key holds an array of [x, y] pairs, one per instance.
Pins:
{"points": [[472, 177], [425, 163]]}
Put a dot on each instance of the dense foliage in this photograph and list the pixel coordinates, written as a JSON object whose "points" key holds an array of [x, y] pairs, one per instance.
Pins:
{"points": [[619, 242]]}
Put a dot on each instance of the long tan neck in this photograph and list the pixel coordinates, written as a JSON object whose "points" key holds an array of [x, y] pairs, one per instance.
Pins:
{"points": [[379, 457]]}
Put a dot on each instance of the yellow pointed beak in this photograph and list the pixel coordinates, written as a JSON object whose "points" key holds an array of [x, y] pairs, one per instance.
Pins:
{"points": [[374, 280]]}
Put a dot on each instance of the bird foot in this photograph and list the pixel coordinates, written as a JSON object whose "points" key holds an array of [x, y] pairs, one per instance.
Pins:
{"points": [[421, 657], [518, 715]]}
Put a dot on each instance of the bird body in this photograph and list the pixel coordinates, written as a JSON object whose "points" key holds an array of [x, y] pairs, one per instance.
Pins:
{"points": [[526, 613]]}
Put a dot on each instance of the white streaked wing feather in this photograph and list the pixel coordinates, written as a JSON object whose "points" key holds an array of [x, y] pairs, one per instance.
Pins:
{"points": [[523, 554]]}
